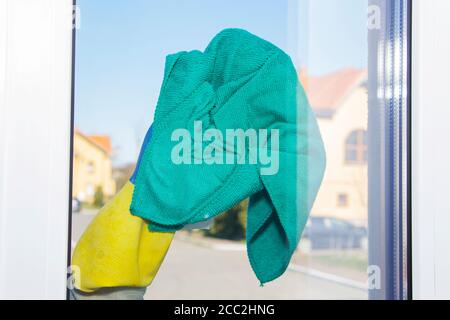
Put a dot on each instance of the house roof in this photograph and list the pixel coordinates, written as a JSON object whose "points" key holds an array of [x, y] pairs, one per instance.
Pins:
{"points": [[102, 142], [327, 93]]}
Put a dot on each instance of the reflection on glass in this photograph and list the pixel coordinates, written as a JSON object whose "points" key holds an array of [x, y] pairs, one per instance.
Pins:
{"points": [[119, 68]]}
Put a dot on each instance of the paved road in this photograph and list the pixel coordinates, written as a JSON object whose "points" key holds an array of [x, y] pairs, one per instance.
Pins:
{"points": [[196, 272]]}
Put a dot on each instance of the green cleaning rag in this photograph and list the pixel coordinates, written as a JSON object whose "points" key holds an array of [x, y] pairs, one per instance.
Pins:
{"points": [[240, 84]]}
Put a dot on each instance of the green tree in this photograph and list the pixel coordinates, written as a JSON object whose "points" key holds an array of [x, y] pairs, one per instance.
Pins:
{"points": [[99, 198], [230, 225]]}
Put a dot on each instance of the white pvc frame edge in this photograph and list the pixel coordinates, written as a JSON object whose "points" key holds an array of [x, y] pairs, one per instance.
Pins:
{"points": [[430, 154], [35, 105], [35, 135]]}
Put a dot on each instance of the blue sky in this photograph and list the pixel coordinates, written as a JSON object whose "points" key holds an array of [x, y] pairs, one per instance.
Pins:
{"points": [[122, 44]]}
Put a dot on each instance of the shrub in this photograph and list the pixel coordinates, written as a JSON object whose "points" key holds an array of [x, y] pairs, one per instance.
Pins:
{"points": [[230, 225], [99, 198]]}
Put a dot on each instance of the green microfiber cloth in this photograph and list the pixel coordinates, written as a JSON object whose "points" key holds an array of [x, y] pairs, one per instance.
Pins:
{"points": [[239, 82]]}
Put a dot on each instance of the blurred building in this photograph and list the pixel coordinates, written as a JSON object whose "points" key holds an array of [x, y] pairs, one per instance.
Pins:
{"points": [[340, 102], [122, 174], [92, 167]]}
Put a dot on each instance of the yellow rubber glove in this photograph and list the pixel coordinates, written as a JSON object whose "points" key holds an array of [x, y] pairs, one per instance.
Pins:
{"points": [[117, 249]]}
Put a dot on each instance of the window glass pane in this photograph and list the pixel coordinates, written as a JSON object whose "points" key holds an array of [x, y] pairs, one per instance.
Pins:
{"points": [[347, 61], [352, 155], [353, 138]]}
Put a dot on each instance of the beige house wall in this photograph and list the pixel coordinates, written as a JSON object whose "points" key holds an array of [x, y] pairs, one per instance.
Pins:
{"points": [[92, 168], [340, 177]]}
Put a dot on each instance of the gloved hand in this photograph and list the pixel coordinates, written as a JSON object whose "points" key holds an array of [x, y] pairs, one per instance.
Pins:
{"points": [[117, 249]]}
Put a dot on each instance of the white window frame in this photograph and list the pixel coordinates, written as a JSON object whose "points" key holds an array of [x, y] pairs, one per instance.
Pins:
{"points": [[35, 125], [430, 156], [35, 128]]}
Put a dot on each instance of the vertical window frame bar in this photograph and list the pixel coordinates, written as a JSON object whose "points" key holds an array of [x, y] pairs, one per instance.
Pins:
{"points": [[389, 149]]}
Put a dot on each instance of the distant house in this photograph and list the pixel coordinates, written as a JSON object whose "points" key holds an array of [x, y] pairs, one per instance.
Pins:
{"points": [[92, 167], [340, 102]]}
